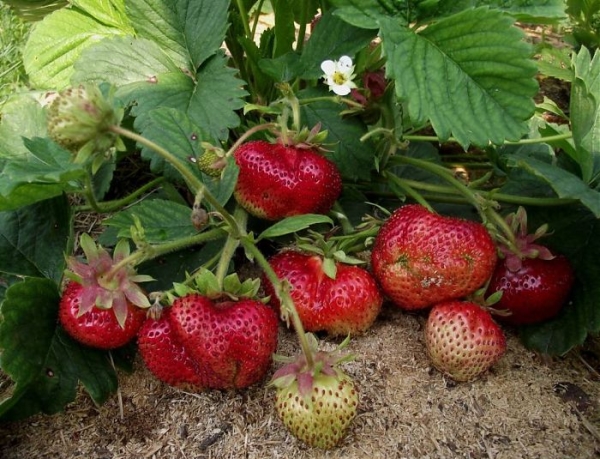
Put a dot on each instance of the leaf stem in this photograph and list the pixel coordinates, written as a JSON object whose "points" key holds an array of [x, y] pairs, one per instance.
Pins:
{"points": [[112, 206], [231, 244], [244, 18]]}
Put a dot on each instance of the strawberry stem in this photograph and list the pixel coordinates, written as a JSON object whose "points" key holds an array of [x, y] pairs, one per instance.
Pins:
{"points": [[149, 252], [231, 244], [287, 304], [248, 133]]}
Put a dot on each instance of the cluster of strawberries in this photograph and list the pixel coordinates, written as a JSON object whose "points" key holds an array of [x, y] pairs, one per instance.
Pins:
{"points": [[420, 260]]}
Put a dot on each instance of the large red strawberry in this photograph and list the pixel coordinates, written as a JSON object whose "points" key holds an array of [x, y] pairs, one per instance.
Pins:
{"points": [[165, 356], [102, 306], [97, 327], [535, 283], [421, 258], [462, 339], [232, 342], [277, 181], [347, 304]]}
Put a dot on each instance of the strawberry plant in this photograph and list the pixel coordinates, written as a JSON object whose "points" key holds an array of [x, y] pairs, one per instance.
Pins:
{"points": [[409, 129]]}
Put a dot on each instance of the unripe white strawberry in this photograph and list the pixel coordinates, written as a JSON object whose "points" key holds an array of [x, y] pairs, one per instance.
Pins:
{"points": [[79, 119], [462, 339], [321, 417], [315, 399]]}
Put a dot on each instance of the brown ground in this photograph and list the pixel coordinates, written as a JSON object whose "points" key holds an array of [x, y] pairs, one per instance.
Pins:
{"points": [[526, 407]]}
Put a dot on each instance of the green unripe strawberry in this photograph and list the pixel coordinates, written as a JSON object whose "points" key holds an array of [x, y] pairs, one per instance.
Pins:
{"points": [[211, 162], [321, 418], [79, 119]]}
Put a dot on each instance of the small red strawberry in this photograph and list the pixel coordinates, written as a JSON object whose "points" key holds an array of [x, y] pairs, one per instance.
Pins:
{"points": [[165, 356], [421, 258], [535, 283], [316, 403], [277, 181], [102, 306], [232, 342], [97, 327], [462, 339], [346, 304]]}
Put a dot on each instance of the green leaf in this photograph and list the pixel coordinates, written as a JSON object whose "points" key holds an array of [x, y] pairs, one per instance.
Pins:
{"points": [[293, 224], [22, 117], [354, 158], [123, 60], [46, 172], [163, 221], [576, 234], [565, 184], [541, 11], [470, 74], [173, 130], [209, 100], [585, 113], [34, 239], [46, 163], [41, 359], [284, 28], [189, 30], [222, 187], [56, 42], [367, 13], [556, 62]]}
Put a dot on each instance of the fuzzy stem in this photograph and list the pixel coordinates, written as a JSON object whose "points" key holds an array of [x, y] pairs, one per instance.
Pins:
{"points": [[112, 206], [244, 17], [248, 133], [408, 189], [334, 99], [89, 193], [433, 138], [287, 304], [150, 252], [302, 29], [232, 243]]}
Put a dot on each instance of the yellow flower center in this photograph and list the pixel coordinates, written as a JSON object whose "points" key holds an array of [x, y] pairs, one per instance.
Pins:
{"points": [[338, 78]]}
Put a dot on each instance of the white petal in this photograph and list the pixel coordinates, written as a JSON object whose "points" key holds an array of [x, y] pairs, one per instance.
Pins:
{"points": [[345, 62], [328, 67], [341, 90]]}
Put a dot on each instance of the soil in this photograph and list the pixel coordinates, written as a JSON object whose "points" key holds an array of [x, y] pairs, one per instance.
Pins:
{"points": [[527, 406]]}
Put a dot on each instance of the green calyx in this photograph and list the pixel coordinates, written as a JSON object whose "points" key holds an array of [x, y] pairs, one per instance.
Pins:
{"points": [[207, 284]]}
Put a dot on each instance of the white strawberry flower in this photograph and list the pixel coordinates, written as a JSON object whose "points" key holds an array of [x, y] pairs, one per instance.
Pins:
{"points": [[339, 75]]}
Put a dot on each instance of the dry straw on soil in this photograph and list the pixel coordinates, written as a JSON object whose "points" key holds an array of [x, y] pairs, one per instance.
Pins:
{"points": [[526, 407]]}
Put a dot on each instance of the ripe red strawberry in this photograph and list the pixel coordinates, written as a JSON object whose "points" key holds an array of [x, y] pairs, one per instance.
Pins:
{"points": [[462, 339], [535, 292], [348, 304], [277, 181], [421, 258], [165, 356], [97, 327], [102, 306], [535, 283], [232, 342]]}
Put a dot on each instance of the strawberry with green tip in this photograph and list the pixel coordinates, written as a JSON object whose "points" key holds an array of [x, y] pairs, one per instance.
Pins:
{"points": [[102, 305], [421, 258], [462, 339]]}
